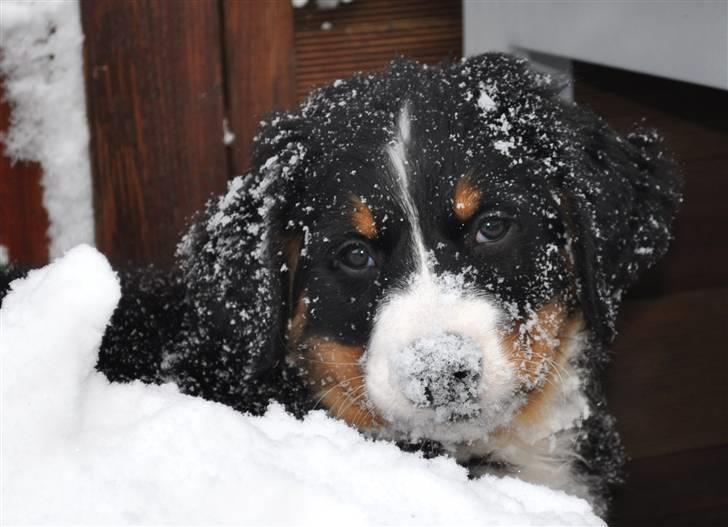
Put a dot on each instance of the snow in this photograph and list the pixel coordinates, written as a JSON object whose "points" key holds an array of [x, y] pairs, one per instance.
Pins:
{"points": [[440, 370], [485, 102], [228, 137], [78, 449], [321, 4], [41, 62]]}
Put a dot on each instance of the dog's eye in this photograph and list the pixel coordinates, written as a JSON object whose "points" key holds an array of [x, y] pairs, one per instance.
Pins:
{"points": [[492, 228], [355, 257]]}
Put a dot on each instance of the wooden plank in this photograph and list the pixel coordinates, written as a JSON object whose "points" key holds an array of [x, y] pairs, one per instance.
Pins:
{"points": [[668, 384], [23, 219], [366, 36], [686, 488], [259, 68], [156, 109], [688, 115]]}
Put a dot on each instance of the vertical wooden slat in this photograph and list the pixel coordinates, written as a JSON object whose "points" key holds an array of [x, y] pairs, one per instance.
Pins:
{"points": [[155, 105], [259, 68], [23, 219]]}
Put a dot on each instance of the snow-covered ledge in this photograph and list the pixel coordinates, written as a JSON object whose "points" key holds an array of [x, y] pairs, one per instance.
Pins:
{"points": [[686, 41]]}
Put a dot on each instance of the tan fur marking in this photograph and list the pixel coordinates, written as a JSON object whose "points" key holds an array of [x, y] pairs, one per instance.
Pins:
{"points": [[334, 370], [297, 324], [363, 219], [466, 199], [544, 354]]}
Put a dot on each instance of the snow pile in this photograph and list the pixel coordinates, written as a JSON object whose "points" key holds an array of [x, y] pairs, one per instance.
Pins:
{"points": [[41, 64], [78, 449]]}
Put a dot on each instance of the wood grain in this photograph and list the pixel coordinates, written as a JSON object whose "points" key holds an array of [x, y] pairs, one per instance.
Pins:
{"points": [[366, 36], [155, 106], [23, 219], [685, 488], [259, 68], [668, 385]]}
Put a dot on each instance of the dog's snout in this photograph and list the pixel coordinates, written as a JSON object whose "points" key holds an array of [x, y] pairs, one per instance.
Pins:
{"points": [[440, 371]]}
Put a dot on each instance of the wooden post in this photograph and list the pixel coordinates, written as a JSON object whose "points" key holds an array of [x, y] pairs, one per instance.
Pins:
{"points": [[156, 109], [259, 68], [23, 219]]}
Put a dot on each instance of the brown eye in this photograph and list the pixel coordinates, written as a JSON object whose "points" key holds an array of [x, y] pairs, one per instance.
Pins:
{"points": [[492, 229], [355, 257]]}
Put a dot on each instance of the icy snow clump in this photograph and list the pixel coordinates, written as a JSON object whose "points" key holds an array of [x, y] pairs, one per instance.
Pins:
{"points": [[78, 449]]}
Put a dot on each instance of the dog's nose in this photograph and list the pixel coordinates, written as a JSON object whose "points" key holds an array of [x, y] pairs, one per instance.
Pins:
{"points": [[440, 371]]}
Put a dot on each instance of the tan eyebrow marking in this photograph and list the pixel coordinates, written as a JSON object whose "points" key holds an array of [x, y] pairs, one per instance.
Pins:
{"points": [[363, 219], [466, 199]]}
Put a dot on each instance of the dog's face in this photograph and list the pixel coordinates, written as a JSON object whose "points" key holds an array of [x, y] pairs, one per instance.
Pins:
{"points": [[434, 287], [434, 238]]}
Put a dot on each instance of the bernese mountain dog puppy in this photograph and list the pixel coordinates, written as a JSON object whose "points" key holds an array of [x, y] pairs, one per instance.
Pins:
{"points": [[434, 255]]}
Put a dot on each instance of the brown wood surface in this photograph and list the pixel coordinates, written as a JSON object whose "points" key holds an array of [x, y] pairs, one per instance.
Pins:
{"points": [[668, 385], [692, 120], [685, 488], [367, 35], [155, 107], [23, 219], [258, 68]]}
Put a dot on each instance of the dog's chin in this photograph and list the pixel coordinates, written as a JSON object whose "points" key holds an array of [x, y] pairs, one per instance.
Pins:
{"points": [[446, 426]]}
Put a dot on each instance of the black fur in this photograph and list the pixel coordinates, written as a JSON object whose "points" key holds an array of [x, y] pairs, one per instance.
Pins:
{"points": [[216, 325]]}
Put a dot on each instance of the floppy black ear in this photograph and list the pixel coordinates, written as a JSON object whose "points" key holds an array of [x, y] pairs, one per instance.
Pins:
{"points": [[619, 198], [232, 266]]}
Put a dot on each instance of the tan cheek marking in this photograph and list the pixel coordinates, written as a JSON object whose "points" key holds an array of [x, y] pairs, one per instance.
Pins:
{"points": [[544, 356], [363, 219], [466, 199], [297, 325], [334, 370]]}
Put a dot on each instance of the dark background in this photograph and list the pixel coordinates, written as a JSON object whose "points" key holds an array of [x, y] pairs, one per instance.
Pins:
{"points": [[162, 75]]}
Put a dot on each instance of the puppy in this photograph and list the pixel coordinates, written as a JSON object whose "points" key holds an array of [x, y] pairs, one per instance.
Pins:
{"points": [[435, 255]]}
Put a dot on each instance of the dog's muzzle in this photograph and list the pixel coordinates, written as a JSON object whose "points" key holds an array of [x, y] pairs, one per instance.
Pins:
{"points": [[442, 372]]}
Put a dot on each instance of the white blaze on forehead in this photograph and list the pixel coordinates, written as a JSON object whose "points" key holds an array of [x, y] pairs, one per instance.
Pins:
{"points": [[430, 305], [397, 152]]}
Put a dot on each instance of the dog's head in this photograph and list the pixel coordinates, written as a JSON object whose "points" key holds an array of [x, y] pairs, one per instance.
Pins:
{"points": [[422, 244]]}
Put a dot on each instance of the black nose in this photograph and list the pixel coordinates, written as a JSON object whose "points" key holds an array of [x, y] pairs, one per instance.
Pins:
{"points": [[442, 372]]}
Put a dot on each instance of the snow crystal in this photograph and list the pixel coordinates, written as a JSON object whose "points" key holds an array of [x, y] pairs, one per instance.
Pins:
{"points": [[78, 449], [321, 4], [485, 102], [41, 61], [644, 250], [228, 137], [504, 147]]}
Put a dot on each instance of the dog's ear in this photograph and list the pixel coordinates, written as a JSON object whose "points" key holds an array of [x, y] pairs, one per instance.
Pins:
{"points": [[232, 264], [619, 198]]}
